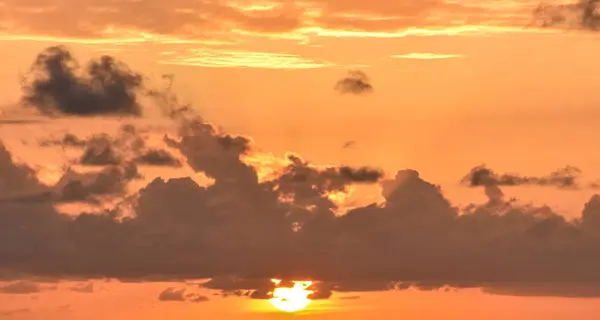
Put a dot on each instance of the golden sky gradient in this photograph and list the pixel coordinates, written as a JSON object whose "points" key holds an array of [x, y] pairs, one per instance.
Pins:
{"points": [[456, 84]]}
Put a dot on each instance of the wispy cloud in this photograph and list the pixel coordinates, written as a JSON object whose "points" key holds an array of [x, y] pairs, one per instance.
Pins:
{"points": [[426, 56], [241, 58]]}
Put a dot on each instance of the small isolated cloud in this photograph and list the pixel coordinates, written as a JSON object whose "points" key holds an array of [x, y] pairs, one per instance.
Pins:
{"points": [[21, 287], [349, 144], [56, 85], [426, 56], [242, 59], [172, 294], [483, 176], [356, 82]]}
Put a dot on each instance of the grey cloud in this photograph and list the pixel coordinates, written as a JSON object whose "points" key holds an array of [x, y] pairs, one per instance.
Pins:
{"points": [[172, 294], [356, 82], [105, 150], [566, 177], [56, 86]]}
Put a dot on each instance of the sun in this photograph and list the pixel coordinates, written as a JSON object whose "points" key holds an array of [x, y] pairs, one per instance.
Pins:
{"points": [[291, 299]]}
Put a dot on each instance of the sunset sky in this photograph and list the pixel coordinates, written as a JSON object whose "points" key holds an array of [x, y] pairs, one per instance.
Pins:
{"points": [[275, 169]]}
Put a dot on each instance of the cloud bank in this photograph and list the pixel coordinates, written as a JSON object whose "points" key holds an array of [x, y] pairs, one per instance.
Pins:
{"points": [[286, 226]]}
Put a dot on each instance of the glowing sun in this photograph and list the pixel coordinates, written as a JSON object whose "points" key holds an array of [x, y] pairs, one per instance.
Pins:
{"points": [[291, 299]]}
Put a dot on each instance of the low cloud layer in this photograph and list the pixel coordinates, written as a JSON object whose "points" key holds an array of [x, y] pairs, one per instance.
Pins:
{"points": [[356, 82], [566, 177]]}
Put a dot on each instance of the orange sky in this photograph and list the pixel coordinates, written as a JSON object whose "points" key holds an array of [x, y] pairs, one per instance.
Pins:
{"points": [[456, 84]]}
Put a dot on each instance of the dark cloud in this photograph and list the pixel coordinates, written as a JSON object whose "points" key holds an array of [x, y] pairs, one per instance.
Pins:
{"points": [[578, 15], [57, 86], [240, 226], [157, 157], [19, 184], [172, 294], [128, 145], [356, 82], [562, 178], [21, 287], [68, 140]]}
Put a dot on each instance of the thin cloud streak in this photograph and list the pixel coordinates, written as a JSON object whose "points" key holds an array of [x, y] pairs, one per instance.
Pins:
{"points": [[240, 58], [426, 56]]}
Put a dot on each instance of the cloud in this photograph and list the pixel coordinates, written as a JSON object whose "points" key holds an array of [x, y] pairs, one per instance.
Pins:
{"points": [[57, 87], [212, 20], [172, 294], [13, 312], [577, 15], [83, 288], [286, 226], [349, 144], [562, 178], [356, 82], [129, 145], [248, 59], [21, 287], [425, 56]]}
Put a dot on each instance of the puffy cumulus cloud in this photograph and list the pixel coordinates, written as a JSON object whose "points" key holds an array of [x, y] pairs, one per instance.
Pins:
{"points": [[582, 14], [566, 177], [240, 226], [56, 86], [173, 294], [356, 82], [209, 20]]}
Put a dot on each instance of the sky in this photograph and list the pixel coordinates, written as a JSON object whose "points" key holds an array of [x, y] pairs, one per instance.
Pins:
{"points": [[425, 160]]}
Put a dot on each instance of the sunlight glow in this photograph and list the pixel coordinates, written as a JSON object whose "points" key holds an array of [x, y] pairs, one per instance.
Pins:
{"points": [[291, 299]]}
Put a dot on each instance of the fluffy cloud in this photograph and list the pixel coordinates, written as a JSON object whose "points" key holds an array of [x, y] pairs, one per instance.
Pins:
{"points": [[57, 86], [356, 82]]}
